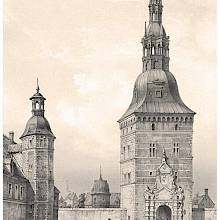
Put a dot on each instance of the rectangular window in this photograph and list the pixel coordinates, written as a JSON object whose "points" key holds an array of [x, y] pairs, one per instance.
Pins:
{"points": [[10, 190], [124, 151], [125, 178], [152, 150], [16, 191], [21, 192], [128, 151], [129, 177], [158, 93], [176, 150]]}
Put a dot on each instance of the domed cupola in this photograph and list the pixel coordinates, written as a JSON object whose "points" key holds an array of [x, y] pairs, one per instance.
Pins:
{"points": [[37, 124], [100, 193], [156, 91]]}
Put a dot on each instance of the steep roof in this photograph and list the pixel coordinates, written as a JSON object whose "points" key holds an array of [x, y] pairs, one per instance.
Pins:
{"points": [[147, 100], [100, 186], [203, 201], [37, 125]]}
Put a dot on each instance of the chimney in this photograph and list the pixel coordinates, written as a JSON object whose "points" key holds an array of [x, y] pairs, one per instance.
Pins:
{"points": [[11, 136], [206, 192]]}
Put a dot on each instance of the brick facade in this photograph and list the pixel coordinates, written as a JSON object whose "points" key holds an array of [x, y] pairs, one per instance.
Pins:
{"points": [[156, 121]]}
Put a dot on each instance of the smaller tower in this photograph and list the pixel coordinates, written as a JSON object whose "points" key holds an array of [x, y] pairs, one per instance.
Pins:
{"points": [[38, 155], [100, 193]]}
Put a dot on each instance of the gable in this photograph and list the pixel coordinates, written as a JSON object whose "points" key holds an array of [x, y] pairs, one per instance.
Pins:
{"points": [[206, 202]]}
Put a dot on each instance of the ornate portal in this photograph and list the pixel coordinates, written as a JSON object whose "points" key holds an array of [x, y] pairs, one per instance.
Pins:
{"points": [[165, 200]]}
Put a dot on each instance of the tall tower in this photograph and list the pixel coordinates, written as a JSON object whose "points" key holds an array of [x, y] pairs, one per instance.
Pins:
{"points": [[37, 153], [156, 136]]}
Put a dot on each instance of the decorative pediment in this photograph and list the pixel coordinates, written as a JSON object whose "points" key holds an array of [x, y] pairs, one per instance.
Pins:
{"points": [[165, 187], [165, 176]]}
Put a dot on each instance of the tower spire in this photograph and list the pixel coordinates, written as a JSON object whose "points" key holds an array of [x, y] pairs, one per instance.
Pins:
{"points": [[100, 173], [164, 157], [155, 42], [156, 10], [38, 88], [145, 29]]}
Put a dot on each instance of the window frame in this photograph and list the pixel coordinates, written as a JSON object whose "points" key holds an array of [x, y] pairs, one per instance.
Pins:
{"points": [[160, 93], [10, 189], [16, 191], [21, 192]]}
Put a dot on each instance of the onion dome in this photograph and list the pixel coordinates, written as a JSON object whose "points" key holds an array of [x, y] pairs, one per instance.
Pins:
{"points": [[156, 91], [100, 186], [37, 124]]}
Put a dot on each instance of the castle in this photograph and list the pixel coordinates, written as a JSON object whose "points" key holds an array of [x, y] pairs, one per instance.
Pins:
{"points": [[156, 162]]}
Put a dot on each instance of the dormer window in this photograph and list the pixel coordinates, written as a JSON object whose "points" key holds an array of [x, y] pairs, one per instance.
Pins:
{"points": [[158, 93]]}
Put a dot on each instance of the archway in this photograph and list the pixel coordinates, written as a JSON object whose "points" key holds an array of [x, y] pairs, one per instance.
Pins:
{"points": [[163, 213]]}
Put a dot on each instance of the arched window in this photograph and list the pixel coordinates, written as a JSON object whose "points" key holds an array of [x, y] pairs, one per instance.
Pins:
{"points": [[153, 16], [159, 49], [37, 105], [153, 50], [153, 127]]}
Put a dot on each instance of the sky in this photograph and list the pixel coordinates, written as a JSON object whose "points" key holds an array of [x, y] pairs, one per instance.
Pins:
{"points": [[87, 55]]}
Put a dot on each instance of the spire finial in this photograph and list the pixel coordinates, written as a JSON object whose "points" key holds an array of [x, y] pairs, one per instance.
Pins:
{"points": [[164, 157], [145, 28], [38, 88], [100, 173]]}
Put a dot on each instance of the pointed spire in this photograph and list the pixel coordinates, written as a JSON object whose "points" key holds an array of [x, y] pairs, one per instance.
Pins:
{"points": [[100, 173], [145, 29], [38, 88], [164, 157]]}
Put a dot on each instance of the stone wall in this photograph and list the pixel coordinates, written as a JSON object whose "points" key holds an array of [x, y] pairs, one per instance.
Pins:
{"points": [[139, 165], [17, 204], [204, 214], [210, 214], [92, 214]]}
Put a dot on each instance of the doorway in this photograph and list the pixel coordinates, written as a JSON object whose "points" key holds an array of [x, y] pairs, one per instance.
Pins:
{"points": [[163, 213]]}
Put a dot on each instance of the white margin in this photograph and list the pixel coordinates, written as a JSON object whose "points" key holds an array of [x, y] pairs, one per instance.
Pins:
{"points": [[218, 107], [1, 106]]}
